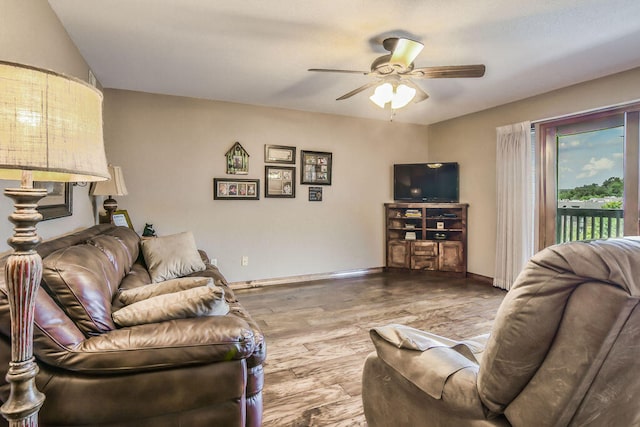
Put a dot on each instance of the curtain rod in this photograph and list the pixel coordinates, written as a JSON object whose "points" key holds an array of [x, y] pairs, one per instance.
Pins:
{"points": [[580, 113]]}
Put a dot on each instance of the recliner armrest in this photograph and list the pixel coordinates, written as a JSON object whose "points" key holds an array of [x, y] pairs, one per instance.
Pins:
{"points": [[441, 372]]}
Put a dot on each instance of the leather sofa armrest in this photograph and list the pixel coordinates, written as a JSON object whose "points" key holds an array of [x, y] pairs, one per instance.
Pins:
{"points": [[204, 256], [163, 345], [442, 373]]}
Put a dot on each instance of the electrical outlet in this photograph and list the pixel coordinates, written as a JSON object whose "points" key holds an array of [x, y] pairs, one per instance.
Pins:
{"points": [[245, 261]]}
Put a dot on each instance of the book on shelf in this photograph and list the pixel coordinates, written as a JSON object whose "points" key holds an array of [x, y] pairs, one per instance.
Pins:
{"points": [[410, 235], [413, 213]]}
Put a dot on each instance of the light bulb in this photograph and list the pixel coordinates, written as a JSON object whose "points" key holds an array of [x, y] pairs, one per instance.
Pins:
{"points": [[399, 95], [403, 95], [382, 95]]}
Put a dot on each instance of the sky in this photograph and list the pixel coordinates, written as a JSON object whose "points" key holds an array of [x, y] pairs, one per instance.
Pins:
{"points": [[590, 157]]}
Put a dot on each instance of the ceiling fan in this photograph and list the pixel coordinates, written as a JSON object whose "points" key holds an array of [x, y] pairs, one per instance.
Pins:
{"points": [[394, 73]]}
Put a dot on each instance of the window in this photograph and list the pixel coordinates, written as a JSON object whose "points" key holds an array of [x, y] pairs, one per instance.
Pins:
{"points": [[588, 176]]}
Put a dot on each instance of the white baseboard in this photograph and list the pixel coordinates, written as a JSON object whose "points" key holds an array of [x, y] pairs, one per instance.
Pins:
{"points": [[303, 278]]}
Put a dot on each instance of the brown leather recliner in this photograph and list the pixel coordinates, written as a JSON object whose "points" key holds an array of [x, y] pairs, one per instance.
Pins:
{"points": [[201, 371], [564, 351]]}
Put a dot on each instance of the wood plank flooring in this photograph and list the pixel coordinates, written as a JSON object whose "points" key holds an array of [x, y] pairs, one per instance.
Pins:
{"points": [[318, 335]]}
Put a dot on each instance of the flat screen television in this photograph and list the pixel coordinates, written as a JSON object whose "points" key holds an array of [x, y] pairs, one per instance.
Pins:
{"points": [[426, 182]]}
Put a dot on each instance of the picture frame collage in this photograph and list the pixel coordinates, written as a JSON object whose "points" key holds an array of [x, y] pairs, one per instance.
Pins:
{"points": [[316, 168], [279, 174], [236, 189]]}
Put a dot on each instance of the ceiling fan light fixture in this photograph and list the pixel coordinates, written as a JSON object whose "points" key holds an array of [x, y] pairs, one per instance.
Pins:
{"points": [[403, 95], [382, 95], [399, 95], [395, 73]]}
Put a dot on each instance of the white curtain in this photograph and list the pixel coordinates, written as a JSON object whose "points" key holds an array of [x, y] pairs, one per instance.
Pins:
{"points": [[514, 185]]}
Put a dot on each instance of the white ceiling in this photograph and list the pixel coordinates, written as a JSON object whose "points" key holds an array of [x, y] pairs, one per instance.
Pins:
{"points": [[258, 51]]}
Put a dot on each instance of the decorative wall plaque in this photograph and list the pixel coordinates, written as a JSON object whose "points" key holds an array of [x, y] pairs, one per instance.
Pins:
{"points": [[237, 160]]}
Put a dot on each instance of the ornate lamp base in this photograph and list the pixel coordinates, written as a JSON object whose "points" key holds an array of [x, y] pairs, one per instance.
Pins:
{"points": [[110, 205], [23, 272]]}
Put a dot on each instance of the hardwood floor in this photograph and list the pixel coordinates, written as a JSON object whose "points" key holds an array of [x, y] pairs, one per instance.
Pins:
{"points": [[318, 335]]}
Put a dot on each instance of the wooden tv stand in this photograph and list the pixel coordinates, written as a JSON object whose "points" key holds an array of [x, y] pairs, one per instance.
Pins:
{"points": [[427, 236]]}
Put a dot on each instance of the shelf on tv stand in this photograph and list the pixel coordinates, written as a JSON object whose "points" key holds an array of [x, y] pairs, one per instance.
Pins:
{"points": [[440, 236]]}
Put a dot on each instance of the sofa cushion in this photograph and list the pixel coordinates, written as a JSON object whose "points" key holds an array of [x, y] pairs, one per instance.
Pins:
{"points": [[48, 247], [138, 276], [130, 296], [195, 302], [172, 256], [115, 251], [129, 239], [83, 281]]}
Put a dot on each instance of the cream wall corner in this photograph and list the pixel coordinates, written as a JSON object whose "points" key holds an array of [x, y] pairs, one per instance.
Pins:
{"points": [[170, 149]]}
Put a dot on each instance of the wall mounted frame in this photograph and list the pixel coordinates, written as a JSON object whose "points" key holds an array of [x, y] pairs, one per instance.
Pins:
{"points": [[279, 154], [236, 189], [315, 167], [280, 181], [59, 200]]}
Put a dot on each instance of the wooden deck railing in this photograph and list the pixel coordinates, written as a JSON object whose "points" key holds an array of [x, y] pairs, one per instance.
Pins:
{"points": [[586, 224]]}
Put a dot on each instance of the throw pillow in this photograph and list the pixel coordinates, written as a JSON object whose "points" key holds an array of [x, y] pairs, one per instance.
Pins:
{"points": [[195, 302], [173, 256], [129, 296]]}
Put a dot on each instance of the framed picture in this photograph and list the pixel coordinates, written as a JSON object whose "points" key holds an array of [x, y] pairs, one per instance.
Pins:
{"points": [[280, 181], [121, 219], [315, 194], [237, 160], [59, 200], [279, 154], [236, 189], [315, 168]]}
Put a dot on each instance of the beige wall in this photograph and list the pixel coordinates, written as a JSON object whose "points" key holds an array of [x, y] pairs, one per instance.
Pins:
{"points": [[471, 141], [30, 33], [171, 148]]}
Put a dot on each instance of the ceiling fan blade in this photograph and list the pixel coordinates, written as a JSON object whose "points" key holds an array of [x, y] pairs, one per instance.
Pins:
{"points": [[327, 70], [358, 90], [405, 52], [448, 71]]}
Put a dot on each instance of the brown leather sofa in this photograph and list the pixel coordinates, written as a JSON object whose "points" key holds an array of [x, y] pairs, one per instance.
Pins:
{"points": [[204, 371], [563, 351]]}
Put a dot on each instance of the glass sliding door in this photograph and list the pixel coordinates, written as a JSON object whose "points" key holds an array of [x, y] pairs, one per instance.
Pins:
{"points": [[590, 182], [587, 169]]}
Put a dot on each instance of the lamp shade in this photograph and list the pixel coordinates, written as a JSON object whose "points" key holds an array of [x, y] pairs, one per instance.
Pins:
{"points": [[51, 125], [113, 187]]}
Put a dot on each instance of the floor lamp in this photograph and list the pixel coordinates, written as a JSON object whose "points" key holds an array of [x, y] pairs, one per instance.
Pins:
{"points": [[50, 130]]}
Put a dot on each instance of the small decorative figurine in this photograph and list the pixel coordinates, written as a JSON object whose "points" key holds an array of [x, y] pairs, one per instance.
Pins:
{"points": [[149, 231]]}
